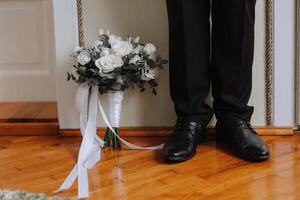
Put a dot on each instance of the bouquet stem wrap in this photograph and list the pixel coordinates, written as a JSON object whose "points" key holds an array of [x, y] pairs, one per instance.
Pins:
{"points": [[115, 99], [88, 104]]}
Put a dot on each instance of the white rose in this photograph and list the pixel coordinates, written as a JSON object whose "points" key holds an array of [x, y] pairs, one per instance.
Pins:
{"points": [[137, 49], [137, 39], [152, 56], [149, 49], [122, 48], [105, 51], [148, 73], [75, 74], [101, 32], [84, 57], [113, 39], [130, 39], [98, 42], [98, 45], [77, 50], [108, 63], [135, 59]]}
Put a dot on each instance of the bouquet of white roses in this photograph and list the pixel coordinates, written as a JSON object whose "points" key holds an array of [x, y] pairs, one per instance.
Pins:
{"points": [[114, 64], [110, 66]]}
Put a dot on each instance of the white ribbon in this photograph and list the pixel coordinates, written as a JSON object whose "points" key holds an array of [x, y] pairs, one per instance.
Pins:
{"points": [[87, 103], [114, 99]]}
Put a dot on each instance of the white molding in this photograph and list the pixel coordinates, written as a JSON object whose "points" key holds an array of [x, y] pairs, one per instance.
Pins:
{"points": [[66, 38], [284, 62]]}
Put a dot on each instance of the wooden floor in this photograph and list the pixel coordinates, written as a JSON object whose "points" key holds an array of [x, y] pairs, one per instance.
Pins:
{"points": [[40, 164]]}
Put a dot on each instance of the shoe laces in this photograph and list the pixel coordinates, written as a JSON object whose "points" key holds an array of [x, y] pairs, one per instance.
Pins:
{"points": [[178, 126], [246, 125], [185, 126]]}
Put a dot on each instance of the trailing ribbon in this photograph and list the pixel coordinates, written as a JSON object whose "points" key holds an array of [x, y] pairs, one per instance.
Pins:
{"points": [[87, 103]]}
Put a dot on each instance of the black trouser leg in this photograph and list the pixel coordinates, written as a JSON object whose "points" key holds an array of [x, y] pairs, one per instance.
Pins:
{"points": [[232, 56], [189, 29]]}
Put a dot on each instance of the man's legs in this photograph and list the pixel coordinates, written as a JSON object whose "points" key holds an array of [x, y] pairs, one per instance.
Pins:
{"points": [[232, 56], [232, 59], [189, 29]]}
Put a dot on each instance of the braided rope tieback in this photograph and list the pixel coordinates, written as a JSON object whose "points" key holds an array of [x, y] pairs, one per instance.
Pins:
{"points": [[80, 23], [269, 63]]}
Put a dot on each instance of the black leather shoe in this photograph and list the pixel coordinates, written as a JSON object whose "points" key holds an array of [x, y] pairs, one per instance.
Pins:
{"points": [[239, 135], [182, 144]]}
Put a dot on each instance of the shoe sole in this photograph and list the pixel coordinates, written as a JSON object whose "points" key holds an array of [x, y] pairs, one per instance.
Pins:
{"points": [[178, 159], [258, 158]]}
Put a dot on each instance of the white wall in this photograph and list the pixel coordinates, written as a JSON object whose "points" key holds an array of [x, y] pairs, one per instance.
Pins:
{"points": [[66, 37], [147, 19], [284, 43]]}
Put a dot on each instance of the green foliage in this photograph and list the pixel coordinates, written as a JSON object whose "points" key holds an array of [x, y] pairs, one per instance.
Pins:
{"points": [[130, 75]]}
